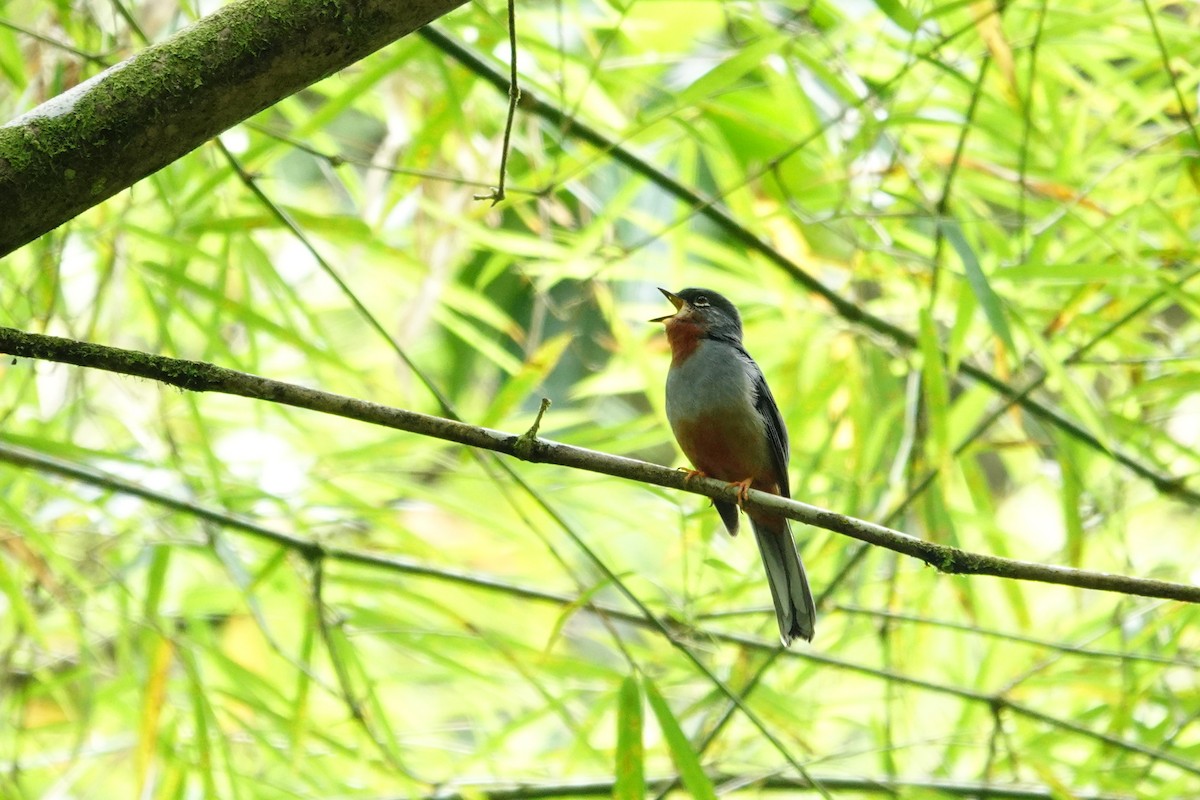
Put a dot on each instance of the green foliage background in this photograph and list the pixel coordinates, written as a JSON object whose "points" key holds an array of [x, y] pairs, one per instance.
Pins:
{"points": [[1016, 186]]}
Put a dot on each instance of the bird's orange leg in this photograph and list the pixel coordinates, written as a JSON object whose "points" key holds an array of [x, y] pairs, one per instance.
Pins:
{"points": [[690, 474], [743, 490]]}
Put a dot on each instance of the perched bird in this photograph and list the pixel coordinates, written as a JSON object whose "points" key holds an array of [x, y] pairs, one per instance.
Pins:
{"points": [[727, 424]]}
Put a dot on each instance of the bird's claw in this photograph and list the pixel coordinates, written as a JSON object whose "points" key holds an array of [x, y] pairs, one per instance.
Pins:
{"points": [[691, 474], [743, 492]]}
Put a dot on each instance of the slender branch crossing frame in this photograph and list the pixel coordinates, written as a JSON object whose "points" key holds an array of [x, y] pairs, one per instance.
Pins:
{"points": [[198, 376]]}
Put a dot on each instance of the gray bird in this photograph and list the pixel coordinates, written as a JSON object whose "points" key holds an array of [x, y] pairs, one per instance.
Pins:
{"points": [[727, 424]]}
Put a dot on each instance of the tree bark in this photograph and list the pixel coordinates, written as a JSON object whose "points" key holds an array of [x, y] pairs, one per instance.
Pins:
{"points": [[87, 144]]}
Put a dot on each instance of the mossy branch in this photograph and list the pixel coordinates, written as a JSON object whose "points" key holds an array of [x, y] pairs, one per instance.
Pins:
{"points": [[199, 376], [100, 137]]}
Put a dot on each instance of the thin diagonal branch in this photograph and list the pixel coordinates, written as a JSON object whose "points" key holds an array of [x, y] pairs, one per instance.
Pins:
{"points": [[1151, 17], [317, 552], [714, 212], [887, 786], [202, 377]]}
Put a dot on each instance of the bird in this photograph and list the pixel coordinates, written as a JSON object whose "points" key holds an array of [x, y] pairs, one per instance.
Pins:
{"points": [[728, 425]]}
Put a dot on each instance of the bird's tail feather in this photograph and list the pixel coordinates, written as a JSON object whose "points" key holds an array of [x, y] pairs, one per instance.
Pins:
{"points": [[785, 573]]}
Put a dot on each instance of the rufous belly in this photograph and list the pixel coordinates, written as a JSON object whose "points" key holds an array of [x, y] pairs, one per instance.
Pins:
{"points": [[727, 447]]}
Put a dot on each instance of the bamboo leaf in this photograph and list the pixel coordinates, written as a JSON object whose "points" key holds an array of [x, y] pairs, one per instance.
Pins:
{"points": [[937, 391], [630, 767], [683, 753], [898, 14], [978, 281], [153, 698]]}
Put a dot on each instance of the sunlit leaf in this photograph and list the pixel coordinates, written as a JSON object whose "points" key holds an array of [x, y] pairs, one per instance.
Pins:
{"points": [[687, 761], [630, 769], [978, 281]]}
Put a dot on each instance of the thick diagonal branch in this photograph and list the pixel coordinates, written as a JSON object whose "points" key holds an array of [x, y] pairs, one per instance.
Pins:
{"points": [[100, 137]]}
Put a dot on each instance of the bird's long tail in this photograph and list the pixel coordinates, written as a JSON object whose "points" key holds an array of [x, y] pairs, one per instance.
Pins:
{"points": [[785, 573]]}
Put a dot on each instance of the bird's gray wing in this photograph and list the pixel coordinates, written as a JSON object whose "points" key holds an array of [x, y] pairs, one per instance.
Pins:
{"points": [[777, 437]]}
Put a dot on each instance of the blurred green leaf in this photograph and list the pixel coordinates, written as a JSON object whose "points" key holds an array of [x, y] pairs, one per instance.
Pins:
{"points": [[745, 58], [898, 14], [630, 768], [978, 282], [937, 391], [687, 761], [1062, 381], [1072, 497]]}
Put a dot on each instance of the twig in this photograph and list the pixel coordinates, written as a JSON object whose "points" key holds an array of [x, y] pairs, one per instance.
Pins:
{"points": [[514, 97], [526, 446]]}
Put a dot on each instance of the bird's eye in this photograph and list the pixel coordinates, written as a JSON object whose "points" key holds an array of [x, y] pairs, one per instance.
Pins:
{"points": [[702, 301]]}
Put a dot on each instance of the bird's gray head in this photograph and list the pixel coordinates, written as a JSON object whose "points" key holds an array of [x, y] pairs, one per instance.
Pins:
{"points": [[709, 313]]}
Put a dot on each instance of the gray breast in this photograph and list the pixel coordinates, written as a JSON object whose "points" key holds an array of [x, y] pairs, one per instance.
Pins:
{"points": [[715, 379]]}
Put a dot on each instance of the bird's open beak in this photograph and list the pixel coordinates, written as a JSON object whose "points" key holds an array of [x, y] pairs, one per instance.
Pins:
{"points": [[676, 301]]}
